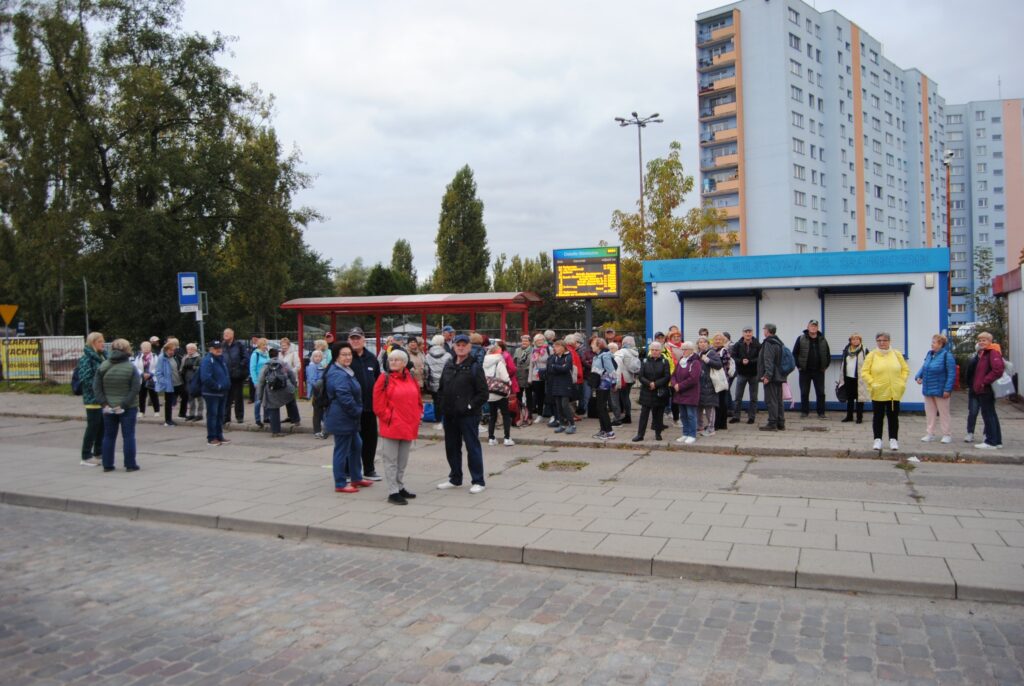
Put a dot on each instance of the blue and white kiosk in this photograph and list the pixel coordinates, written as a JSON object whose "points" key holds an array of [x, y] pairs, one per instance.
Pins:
{"points": [[903, 292]]}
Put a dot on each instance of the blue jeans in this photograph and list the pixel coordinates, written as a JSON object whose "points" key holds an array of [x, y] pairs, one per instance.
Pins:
{"points": [[214, 417], [585, 399], [256, 411], [973, 408], [274, 417], [126, 422], [348, 458], [459, 430], [688, 413], [993, 433]]}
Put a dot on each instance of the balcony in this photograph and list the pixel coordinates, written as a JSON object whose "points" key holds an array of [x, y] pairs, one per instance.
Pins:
{"points": [[722, 33], [721, 59], [720, 162], [725, 110], [721, 84], [713, 188], [725, 135], [708, 113], [730, 212]]}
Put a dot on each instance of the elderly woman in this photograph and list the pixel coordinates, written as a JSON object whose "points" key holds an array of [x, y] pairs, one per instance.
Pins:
{"points": [[434, 364], [325, 352], [275, 388], [116, 389], [257, 361], [168, 379], [398, 404], [343, 420], [521, 357], [289, 355], [537, 376], [654, 377], [315, 372], [145, 362], [628, 360], [720, 342], [189, 368], [936, 377], [710, 359], [686, 385], [560, 383], [885, 372], [93, 355], [988, 369], [603, 370], [856, 390], [498, 379]]}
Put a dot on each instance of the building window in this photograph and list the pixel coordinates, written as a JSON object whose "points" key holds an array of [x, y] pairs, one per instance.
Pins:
{"points": [[981, 150], [800, 224], [799, 172], [957, 204], [798, 146], [982, 202], [956, 188], [879, 237], [959, 222], [794, 16], [982, 186], [982, 220], [794, 42], [795, 68], [800, 198], [798, 120], [956, 170], [954, 119], [980, 133], [983, 237], [981, 167], [959, 257], [979, 115], [954, 136], [796, 93]]}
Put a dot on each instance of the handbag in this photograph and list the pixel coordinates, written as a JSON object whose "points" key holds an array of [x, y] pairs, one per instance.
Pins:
{"points": [[1003, 386], [841, 391], [498, 386], [719, 379]]}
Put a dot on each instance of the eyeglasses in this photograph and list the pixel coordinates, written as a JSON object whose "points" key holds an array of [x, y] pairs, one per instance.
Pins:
{"points": [[879, 340]]}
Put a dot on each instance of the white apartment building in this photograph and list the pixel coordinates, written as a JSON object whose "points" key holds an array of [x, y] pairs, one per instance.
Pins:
{"points": [[811, 140]]}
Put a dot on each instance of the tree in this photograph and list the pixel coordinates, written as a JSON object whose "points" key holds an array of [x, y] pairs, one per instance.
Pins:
{"points": [[381, 281], [663, 236], [462, 254], [350, 279], [537, 276], [402, 268]]}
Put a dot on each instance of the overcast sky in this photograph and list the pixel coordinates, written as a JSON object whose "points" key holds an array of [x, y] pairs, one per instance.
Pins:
{"points": [[387, 100]]}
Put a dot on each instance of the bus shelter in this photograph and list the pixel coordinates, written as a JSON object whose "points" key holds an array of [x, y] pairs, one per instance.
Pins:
{"points": [[510, 304]]}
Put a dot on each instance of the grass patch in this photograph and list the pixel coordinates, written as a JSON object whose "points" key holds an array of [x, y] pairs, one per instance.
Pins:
{"points": [[36, 387], [562, 466], [905, 466]]}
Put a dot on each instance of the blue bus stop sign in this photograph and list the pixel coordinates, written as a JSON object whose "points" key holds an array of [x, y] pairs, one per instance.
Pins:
{"points": [[188, 291]]}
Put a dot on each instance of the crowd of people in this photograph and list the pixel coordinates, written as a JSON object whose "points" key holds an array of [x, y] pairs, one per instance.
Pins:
{"points": [[362, 399]]}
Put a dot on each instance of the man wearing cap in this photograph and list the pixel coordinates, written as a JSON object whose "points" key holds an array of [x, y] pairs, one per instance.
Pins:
{"points": [[812, 359], [215, 384], [769, 370], [366, 369], [449, 334], [745, 352], [610, 337], [237, 362], [462, 394]]}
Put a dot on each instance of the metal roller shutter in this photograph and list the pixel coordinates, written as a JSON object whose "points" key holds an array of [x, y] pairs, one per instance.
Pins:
{"points": [[866, 314], [719, 314]]}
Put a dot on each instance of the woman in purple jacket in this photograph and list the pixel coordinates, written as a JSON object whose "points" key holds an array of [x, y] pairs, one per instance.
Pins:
{"points": [[686, 385]]}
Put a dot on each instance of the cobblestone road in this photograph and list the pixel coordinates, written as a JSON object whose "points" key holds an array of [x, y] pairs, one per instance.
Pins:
{"points": [[96, 600]]}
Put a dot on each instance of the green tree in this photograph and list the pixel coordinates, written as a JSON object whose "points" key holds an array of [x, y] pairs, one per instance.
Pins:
{"points": [[462, 254], [402, 267], [990, 312], [350, 279], [536, 275], [381, 281], [665, 235]]}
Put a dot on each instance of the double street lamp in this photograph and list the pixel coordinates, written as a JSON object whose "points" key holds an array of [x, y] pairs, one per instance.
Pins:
{"points": [[640, 123]]}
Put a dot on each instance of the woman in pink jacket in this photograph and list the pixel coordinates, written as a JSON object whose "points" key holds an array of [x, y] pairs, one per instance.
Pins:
{"points": [[399, 407]]}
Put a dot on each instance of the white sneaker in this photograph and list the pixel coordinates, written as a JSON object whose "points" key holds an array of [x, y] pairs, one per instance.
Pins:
{"points": [[969, 438], [476, 488], [985, 446], [91, 462], [946, 439], [445, 485], [492, 441], [877, 445], [894, 444], [681, 439], [690, 439], [438, 426], [928, 438], [509, 443]]}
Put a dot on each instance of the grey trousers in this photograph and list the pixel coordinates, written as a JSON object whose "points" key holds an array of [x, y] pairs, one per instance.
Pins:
{"points": [[753, 383], [395, 454], [776, 409]]}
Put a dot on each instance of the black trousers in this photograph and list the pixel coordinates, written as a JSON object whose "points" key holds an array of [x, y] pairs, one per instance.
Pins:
{"points": [[92, 441], [808, 377], [886, 410], [236, 398], [368, 432], [853, 403], [773, 401], [182, 392], [602, 399], [154, 398], [722, 415], [506, 419], [659, 419]]}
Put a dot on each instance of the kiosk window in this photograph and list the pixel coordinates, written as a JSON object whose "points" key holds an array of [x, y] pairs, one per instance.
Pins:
{"points": [[866, 314], [718, 314]]}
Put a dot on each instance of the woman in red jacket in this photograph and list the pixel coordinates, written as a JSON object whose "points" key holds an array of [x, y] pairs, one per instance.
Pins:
{"points": [[399, 408]]}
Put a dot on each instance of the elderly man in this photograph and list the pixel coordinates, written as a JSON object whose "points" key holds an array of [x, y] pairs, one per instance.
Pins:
{"points": [[366, 369], [745, 353], [769, 370], [813, 358], [237, 361], [449, 335], [462, 393]]}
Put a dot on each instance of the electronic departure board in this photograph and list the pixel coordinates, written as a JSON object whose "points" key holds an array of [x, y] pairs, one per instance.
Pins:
{"points": [[587, 273]]}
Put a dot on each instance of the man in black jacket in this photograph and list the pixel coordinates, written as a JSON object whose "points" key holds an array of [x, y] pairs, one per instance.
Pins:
{"points": [[237, 361], [812, 359], [745, 352], [462, 393], [769, 370], [367, 369]]}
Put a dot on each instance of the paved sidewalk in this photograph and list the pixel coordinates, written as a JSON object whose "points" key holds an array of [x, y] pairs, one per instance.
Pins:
{"points": [[631, 513], [809, 437]]}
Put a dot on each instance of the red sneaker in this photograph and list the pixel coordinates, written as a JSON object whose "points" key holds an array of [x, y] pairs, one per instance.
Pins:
{"points": [[346, 489], [362, 484]]}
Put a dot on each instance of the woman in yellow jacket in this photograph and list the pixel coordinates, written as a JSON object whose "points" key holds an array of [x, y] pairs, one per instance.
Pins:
{"points": [[885, 372]]}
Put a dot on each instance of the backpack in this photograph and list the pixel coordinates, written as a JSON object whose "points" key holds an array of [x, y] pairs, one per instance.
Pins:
{"points": [[787, 363], [632, 363], [321, 399], [76, 383], [277, 377]]}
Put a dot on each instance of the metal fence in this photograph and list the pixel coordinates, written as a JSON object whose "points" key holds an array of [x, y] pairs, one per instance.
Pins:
{"points": [[49, 358]]}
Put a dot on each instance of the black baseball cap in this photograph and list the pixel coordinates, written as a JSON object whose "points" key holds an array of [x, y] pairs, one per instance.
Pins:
{"points": [[355, 332]]}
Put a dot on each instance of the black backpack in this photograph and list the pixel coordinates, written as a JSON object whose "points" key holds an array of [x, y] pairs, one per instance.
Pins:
{"points": [[321, 399], [277, 376], [76, 383]]}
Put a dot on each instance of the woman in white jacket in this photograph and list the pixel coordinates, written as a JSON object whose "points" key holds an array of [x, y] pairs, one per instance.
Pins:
{"points": [[500, 385], [627, 359]]}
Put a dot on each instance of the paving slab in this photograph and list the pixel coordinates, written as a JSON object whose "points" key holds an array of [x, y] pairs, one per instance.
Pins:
{"points": [[1001, 582]]}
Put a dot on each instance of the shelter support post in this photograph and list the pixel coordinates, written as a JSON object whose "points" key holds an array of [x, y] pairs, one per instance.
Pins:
{"points": [[423, 325], [334, 325], [377, 330], [526, 324], [588, 320], [503, 336], [472, 321], [302, 351]]}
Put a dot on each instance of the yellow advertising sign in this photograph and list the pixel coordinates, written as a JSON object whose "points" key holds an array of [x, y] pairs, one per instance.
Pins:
{"points": [[20, 358], [587, 273], [7, 313]]}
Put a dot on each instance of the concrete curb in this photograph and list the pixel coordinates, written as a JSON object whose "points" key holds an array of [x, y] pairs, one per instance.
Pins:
{"points": [[548, 555]]}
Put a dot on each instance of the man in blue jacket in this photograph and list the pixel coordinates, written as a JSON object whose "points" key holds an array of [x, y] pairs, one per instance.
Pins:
{"points": [[215, 384]]}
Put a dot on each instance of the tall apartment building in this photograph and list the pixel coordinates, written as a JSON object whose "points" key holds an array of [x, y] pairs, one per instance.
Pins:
{"points": [[811, 140], [987, 192]]}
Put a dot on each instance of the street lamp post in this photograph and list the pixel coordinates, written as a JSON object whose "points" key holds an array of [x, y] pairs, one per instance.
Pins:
{"points": [[640, 123], [947, 160]]}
